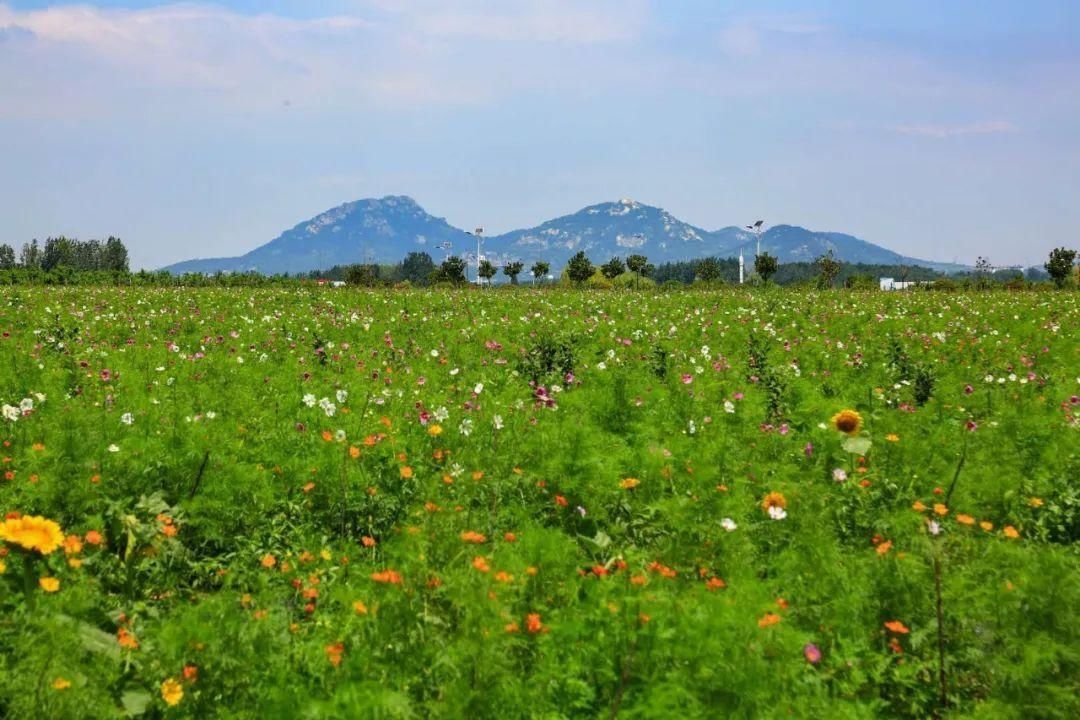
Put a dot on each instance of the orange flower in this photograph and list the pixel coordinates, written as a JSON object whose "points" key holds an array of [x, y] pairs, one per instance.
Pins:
{"points": [[941, 509], [72, 545], [354, 452], [897, 627], [510, 537], [360, 608], [629, 483], [884, 547], [334, 653], [126, 639], [768, 619], [986, 525], [512, 627], [561, 501], [327, 435], [390, 577], [268, 561], [773, 499], [965, 519], [533, 623], [406, 472], [1010, 532], [715, 584], [475, 538], [49, 584], [481, 564], [503, 577], [93, 537], [918, 506]]}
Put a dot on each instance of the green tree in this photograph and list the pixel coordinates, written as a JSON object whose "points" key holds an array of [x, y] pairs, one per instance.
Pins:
{"points": [[366, 275], [638, 264], [486, 270], [512, 270], [765, 265], [452, 270], [115, 256], [829, 268], [708, 270], [613, 268], [7, 257], [1060, 265], [416, 268], [30, 255], [540, 269], [579, 268]]}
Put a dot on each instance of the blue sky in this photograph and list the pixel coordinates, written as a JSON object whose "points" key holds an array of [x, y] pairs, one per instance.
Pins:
{"points": [[941, 130]]}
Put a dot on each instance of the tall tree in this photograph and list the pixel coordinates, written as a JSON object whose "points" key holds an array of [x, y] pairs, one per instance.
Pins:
{"points": [[416, 267], [579, 268], [540, 269], [613, 268], [829, 268], [115, 256], [765, 265], [30, 255], [1060, 265], [7, 257], [512, 270], [486, 270], [708, 269], [452, 270]]}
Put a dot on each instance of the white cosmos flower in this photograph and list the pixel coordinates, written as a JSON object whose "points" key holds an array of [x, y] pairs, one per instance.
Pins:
{"points": [[466, 427], [729, 407], [342, 395], [11, 413], [114, 448], [309, 400], [479, 388], [728, 524], [127, 418], [777, 513], [497, 422]]}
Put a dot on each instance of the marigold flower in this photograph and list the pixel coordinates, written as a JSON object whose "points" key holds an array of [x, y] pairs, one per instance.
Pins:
{"points": [[406, 472], [965, 519], [768, 619], [892, 437], [629, 483], [32, 532], [986, 525], [126, 639], [49, 584], [884, 548], [359, 607], [848, 422], [561, 501], [435, 430], [715, 584], [1010, 532], [475, 538], [72, 545], [354, 452], [941, 509], [61, 683], [533, 623], [334, 653], [481, 564], [172, 692], [268, 561], [897, 627]]}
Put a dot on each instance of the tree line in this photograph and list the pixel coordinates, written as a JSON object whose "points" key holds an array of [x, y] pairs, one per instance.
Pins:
{"points": [[63, 255]]}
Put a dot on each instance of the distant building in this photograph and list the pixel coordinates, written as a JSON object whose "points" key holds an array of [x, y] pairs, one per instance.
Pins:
{"points": [[891, 284]]}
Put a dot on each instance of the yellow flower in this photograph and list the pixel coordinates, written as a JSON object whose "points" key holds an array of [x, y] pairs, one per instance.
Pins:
{"points": [[917, 505], [360, 608], [892, 437], [1035, 502], [629, 483], [61, 684], [986, 525], [848, 422], [49, 584], [941, 509], [435, 430], [965, 519], [171, 692], [1010, 532], [33, 533]]}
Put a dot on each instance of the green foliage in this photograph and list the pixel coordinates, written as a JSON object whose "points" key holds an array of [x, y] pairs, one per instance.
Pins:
{"points": [[1060, 265], [295, 501], [765, 265], [579, 268]]}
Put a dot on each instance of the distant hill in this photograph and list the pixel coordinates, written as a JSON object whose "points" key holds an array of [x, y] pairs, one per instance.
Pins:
{"points": [[385, 230]]}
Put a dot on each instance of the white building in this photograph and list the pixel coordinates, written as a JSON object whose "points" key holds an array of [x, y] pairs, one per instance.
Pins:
{"points": [[891, 284]]}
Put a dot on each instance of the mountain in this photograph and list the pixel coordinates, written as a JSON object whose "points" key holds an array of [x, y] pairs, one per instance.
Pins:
{"points": [[375, 230], [385, 230]]}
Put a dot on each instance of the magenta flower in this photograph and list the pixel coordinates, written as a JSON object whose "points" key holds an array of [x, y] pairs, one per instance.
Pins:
{"points": [[812, 653]]}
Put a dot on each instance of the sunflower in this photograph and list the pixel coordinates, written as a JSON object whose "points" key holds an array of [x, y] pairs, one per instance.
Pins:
{"points": [[848, 422], [32, 533]]}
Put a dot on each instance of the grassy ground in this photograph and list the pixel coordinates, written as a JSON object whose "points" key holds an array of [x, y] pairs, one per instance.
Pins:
{"points": [[329, 503]]}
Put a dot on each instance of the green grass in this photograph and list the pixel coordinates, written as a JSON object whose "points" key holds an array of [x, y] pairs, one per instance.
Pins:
{"points": [[242, 527]]}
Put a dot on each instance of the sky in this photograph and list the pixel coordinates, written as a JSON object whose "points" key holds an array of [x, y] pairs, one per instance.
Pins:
{"points": [[943, 130]]}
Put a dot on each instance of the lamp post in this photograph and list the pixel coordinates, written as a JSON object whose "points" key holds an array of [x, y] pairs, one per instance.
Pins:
{"points": [[479, 232], [756, 229]]}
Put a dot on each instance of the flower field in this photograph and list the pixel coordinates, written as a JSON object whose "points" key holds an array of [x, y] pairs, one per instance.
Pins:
{"points": [[260, 503]]}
